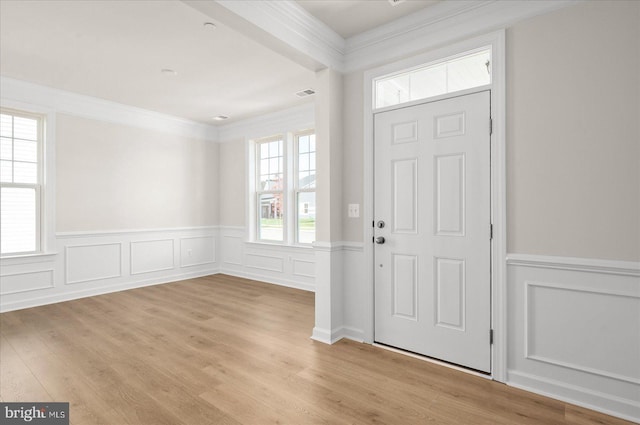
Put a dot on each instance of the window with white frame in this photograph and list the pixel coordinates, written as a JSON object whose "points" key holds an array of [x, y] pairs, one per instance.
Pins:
{"points": [[270, 189], [305, 187], [21, 140], [461, 72], [285, 188]]}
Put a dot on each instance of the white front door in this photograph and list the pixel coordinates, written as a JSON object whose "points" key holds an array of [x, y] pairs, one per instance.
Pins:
{"points": [[432, 207]]}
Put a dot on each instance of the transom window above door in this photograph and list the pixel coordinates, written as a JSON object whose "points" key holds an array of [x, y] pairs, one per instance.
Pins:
{"points": [[465, 71]]}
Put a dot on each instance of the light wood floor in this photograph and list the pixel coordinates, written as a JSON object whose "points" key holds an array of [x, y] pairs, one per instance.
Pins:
{"points": [[224, 350]]}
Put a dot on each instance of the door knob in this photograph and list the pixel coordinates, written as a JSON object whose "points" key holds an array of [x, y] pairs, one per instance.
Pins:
{"points": [[380, 240]]}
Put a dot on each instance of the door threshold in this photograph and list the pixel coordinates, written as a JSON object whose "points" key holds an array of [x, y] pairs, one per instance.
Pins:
{"points": [[434, 361]]}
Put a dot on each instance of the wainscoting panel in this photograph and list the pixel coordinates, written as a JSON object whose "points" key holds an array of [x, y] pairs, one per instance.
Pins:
{"points": [[93, 263], [197, 250], [86, 263], [291, 266], [152, 256], [17, 283], [575, 331]]}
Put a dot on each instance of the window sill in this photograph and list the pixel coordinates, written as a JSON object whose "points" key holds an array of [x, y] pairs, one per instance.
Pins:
{"points": [[278, 245], [41, 257]]}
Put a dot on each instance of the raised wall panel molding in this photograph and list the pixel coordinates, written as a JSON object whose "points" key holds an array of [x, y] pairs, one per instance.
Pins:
{"points": [[532, 312], [17, 283], [264, 262], [574, 332], [103, 110], [197, 250], [151, 256], [589, 265], [91, 262], [303, 268]]}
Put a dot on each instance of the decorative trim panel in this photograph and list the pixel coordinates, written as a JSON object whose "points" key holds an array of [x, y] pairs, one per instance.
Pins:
{"points": [[26, 282], [97, 262]]}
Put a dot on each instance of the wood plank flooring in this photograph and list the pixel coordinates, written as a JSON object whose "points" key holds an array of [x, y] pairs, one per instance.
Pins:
{"points": [[225, 350]]}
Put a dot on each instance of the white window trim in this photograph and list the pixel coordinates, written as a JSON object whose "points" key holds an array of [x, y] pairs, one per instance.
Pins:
{"points": [[496, 41], [46, 198]]}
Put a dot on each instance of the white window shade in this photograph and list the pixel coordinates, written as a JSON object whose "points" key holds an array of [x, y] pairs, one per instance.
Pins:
{"points": [[19, 219]]}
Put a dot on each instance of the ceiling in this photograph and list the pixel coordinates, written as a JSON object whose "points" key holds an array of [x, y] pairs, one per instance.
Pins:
{"points": [[116, 50], [351, 17]]}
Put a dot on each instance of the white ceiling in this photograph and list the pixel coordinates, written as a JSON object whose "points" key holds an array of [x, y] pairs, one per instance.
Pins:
{"points": [[115, 50], [351, 17]]}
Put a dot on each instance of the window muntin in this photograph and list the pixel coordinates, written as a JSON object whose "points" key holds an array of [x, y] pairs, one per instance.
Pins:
{"points": [[270, 189], [472, 69], [305, 186], [21, 136]]}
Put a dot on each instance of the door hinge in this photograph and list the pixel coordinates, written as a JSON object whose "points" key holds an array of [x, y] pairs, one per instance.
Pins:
{"points": [[491, 232], [490, 336], [490, 126]]}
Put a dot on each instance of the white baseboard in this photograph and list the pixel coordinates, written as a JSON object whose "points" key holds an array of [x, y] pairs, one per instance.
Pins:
{"points": [[101, 290], [588, 398], [267, 279]]}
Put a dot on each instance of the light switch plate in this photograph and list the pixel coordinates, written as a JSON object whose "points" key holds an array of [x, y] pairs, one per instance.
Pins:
{"points": [[354, 210]]}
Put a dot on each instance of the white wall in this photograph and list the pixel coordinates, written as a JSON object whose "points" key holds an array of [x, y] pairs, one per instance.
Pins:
{"points": [[232, 196], [115, 177]]}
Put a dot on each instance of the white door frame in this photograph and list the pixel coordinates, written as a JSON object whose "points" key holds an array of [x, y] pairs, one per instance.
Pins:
{"points": [[496, 41]]}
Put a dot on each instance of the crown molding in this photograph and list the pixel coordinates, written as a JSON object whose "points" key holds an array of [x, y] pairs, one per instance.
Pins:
{"points": [[313, 44], [435, 26], [282, 26], [297, 118], [66, 102]]}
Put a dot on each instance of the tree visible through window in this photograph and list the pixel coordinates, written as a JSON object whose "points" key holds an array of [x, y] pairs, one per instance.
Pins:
{"points": [[20, 182]]}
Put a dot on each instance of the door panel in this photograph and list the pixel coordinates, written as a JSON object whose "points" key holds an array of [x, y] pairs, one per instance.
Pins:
{"points": [[432, 188]]}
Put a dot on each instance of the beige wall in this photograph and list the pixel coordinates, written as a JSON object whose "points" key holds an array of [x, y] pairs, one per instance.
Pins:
{"points": [[115, 177], [233, 174], [352, 185], [573, 159]]}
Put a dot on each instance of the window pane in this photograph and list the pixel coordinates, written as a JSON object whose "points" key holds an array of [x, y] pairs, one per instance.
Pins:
{"points": [[429, 82], [472, 70], [18, 220], [306, 217], [274, 149], [303, 162], [25, 172], [25, 128], [264, 150], [469, 71], [312, 142], [6, 149], [24, 150], [303, 145], [6, 171], [270, 223], [6, 129]]}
